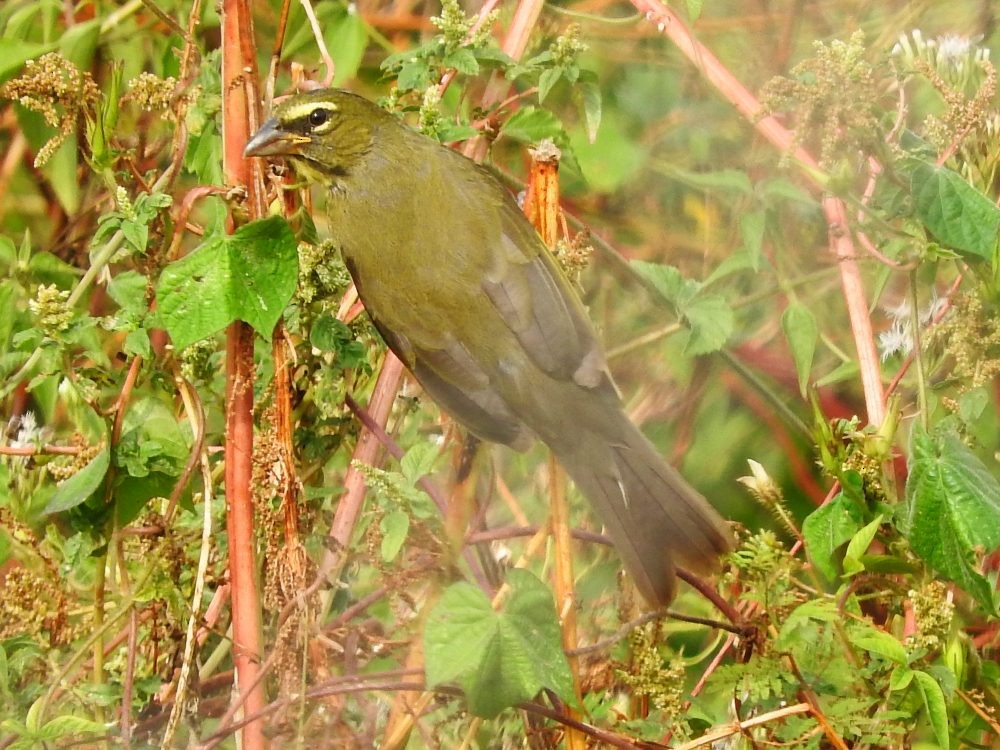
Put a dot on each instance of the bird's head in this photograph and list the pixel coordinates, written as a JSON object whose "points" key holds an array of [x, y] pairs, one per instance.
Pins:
{"points": [[322, 133]]}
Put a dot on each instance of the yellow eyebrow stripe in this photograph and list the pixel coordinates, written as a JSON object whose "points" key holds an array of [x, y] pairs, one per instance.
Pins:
{"points": [[298, 111]]}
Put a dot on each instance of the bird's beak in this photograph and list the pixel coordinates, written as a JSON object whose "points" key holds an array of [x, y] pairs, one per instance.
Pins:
{"points": [[271, 140]]}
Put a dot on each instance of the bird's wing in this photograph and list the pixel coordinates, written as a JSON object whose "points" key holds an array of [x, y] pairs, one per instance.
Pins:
{"points": [[457, 382], [536, 302]]}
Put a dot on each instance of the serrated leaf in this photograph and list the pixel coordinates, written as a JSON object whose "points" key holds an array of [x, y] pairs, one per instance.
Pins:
{"points": [[81, 485], [531, 125], [667, 281], [413, 75], [712, 322], [934, 704], [957, 214], [500, 658], [828, 527], [419, 461], [249, 275], [952, 508], [463, 60], [801, 332]]}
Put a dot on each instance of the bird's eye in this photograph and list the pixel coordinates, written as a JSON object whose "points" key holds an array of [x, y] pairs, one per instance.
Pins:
{"points": [[319, 117]]}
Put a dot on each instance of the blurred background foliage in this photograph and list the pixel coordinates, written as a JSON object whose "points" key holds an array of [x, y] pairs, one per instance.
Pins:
{"points": [[657, 167]]}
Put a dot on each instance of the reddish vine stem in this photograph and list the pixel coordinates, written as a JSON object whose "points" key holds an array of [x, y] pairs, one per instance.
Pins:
{"points": [[672, 26], [240, 101]]}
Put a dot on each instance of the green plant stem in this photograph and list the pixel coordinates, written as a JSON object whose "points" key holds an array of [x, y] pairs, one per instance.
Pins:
{"points": [[790, 417], [918, 359]]}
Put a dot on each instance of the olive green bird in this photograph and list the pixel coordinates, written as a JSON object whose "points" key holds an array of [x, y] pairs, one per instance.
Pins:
{"points": [[465, 293]]}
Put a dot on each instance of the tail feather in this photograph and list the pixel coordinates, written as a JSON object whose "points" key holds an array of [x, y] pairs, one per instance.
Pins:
{"points": [[654, 517]]}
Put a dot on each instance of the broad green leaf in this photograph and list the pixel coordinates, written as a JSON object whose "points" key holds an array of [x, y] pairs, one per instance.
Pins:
{"points": [[462, 60], [828, 527], [500, 658], [878, 642], [708, 315], [346, 37], [900, 678], [249, 275], [132, 494], [548, 79], [419, 461], [151, 440], [957, 214], [81, 485], [712, 322], [612, 158], [667, 281], [952, 509], [934, 703], [14, 53], [531, 125], [858, 545], [64, 726], [801, 332], [694, 8], [395, 526]]}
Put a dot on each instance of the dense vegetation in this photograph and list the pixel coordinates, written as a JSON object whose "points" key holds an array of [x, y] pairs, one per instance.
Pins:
{"points": [[783, 219]]}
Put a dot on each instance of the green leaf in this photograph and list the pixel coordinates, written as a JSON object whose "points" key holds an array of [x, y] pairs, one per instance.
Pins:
{"points": [[249, 275], [957, 214], [828, 527], [801, 332], [462, 60], [346, 37], [934, 703], [694, 8], [878, 642], [708, 315], [548, 79], [394, 526], [14, 53], [63, 726], [590, 97], [667, 281], [712, 322], [900, 678], [858, 545], [81, 485], [500, 658], [752, 230], [531, 125], [610, 156], [419, 461], [952, 508], [413, 75]]}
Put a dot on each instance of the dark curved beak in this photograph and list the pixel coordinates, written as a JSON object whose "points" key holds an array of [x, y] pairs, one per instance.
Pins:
{"points": [[271, 140]]}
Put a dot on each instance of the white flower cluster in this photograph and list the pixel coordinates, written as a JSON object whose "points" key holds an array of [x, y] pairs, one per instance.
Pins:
{"points": [[953, 56], [899, 338]]}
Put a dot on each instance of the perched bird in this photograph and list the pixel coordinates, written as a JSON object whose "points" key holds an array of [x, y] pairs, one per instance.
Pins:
{"points": [[465, 293]]}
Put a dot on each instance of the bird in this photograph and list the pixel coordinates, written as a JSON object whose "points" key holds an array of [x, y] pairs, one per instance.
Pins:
{"points": [[463, 290]]}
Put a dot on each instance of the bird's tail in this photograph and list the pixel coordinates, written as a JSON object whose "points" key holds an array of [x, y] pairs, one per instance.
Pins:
{"points": [[654, 518]]}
